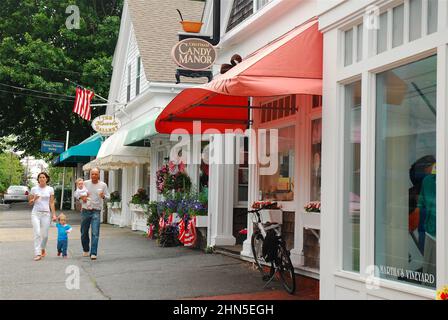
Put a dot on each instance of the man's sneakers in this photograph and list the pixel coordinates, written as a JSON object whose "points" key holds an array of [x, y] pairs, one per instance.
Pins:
{"points": [[59, 254], [93, 257], [85, 254]]}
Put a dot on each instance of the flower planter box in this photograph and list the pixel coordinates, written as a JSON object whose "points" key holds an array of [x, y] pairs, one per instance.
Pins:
{"points": [[271, 215], [138, 218], [114, 216], [138, 207], [114, 205], [201, 221], [311, 220]]}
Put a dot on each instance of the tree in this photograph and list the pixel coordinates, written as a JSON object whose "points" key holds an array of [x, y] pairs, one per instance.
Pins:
{"points": [[38, 51], [11, 170]]}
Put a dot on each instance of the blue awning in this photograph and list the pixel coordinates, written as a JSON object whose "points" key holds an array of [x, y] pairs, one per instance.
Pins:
{"points": [[81, 153]]}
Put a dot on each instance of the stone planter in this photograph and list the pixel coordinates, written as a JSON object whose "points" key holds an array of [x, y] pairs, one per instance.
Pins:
{"points": [[271, 215]]}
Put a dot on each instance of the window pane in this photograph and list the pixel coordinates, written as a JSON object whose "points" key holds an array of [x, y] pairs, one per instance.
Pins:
{"points": [[348, 47], [415, 19], [352, 160], [316, 155], [432, 16], [382, 34], [398, 26], [405, 208], [359, 42], [280, 185], [204, 167]]}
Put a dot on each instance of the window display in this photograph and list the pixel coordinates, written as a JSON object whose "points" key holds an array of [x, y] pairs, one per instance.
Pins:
{"points": [[316, 156], [405, 200], [352, 174], [280, 186]]}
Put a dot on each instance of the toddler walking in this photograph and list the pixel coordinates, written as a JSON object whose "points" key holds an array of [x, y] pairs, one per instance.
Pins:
{"points": [[63, 230]]}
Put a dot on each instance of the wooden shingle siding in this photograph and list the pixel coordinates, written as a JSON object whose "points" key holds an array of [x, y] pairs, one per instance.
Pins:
{"points": [[156, 24], [242, 9]]}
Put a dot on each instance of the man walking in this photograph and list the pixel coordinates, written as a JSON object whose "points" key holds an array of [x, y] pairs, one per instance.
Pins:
{"points": [[92, 204]]}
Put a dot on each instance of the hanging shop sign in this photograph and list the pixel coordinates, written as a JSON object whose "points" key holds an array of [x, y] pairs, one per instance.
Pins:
{"points": [[194, 54], [106, 125]]}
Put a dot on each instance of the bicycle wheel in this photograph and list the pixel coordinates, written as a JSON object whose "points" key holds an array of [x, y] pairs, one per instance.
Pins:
{"points": [[257, 250], [286, 270]]}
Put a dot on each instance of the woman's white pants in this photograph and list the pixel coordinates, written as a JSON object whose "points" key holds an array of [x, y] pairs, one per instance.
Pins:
{"points": [[41, 223]]}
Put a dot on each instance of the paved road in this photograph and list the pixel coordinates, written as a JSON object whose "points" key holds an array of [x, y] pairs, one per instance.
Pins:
{"points": [[129, 266]]}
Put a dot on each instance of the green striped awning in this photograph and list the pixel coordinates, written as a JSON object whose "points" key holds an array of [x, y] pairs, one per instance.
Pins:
{"points": [[139, 135]]}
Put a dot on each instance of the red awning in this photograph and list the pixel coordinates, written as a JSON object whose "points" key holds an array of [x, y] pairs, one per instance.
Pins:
{"points": [[292, 64]]}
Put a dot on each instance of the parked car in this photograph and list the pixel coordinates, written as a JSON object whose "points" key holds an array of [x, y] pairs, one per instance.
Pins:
{"points": [[16, 194]]}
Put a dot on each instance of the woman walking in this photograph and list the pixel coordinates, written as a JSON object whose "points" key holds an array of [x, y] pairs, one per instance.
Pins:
{"points": [[42, 200]]}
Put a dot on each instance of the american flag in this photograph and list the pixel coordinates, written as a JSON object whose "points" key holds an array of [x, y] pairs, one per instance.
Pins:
{"points": [[82, 103], [190, 234]]}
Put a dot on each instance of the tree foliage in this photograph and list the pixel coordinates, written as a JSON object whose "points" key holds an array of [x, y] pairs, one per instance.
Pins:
{"points": [[11, 171], [38, 51]]}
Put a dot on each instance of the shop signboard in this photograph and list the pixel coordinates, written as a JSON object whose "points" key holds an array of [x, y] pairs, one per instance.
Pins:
{"points": [[106, 125], [194, 54]]}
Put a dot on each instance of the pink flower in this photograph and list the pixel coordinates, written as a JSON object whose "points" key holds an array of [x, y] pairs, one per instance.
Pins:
{"points": [[181, 167]]}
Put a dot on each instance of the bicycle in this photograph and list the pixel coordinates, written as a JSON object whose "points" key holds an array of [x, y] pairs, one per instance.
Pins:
{"points": [[280, 264]]}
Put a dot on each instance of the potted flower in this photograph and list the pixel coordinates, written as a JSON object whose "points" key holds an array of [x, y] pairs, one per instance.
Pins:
{"points": [[152, 219], [442, 294], [114, 201], [172, 178], [139, 201]]}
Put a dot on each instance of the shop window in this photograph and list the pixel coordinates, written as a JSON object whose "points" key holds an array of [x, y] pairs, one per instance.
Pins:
{"points": [[138, 76], [359, 42], [415, 24], [398, 25], [280, 185], [405, 192], [243, 171], [353, 42], [128, 88], [204, 168], [382, 33], [278, 109], [432, 16], [348, 41], [316, 156], [317, 102], [352, 189], [146, 178]]}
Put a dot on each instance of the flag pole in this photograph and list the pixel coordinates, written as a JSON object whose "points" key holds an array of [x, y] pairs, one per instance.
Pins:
{"points": [[78, 85]]}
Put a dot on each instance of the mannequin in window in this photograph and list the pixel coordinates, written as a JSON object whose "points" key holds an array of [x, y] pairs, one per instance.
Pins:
{"points": [[427, 201]]}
